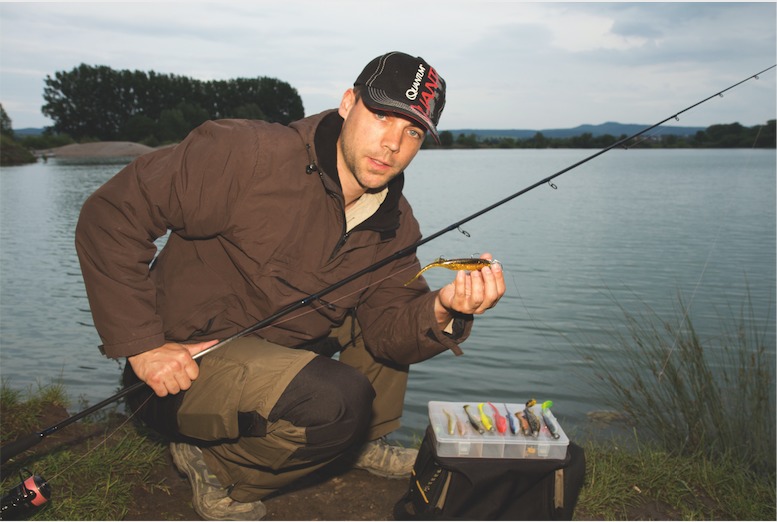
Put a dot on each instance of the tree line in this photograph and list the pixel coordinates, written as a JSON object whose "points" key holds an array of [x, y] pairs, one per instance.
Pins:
{"points": [[99, 103], [91, 103], [733, 135]]}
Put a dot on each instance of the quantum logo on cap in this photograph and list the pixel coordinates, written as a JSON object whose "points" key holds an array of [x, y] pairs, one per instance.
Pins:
{"points": [[412, 92], [429, 94]]}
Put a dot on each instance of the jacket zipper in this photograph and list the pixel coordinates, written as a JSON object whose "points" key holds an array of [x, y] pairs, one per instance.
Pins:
{"points": [[312, 167], [345, 234], [339, 244]]}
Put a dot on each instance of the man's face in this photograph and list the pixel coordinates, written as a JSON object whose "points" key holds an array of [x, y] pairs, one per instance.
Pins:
{"points": [[374, 146]]}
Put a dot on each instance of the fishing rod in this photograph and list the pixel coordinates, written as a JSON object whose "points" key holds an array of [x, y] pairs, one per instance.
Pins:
{"points": [[26, 442]]}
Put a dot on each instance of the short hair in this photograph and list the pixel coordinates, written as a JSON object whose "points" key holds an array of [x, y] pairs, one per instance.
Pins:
{"points": [[357, 92]]}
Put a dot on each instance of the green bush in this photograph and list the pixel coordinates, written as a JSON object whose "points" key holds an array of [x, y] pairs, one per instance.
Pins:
{"points": [[12, 153], [45, 141]]}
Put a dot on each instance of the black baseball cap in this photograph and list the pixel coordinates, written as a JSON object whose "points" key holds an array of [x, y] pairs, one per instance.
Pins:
{"points": [[398, 82]]}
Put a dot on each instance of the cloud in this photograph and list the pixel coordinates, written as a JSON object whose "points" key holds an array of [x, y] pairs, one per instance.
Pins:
{"points": [[507, 64]]}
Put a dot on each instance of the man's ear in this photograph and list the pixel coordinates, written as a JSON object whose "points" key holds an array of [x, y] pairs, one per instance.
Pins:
{"points": [[347, 103]]}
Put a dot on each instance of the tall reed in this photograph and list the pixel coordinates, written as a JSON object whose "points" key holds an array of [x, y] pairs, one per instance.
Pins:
{"points": [[712, 396]]}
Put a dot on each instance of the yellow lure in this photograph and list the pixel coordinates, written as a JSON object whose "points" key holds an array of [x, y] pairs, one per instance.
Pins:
{"points": [[485, 419]]}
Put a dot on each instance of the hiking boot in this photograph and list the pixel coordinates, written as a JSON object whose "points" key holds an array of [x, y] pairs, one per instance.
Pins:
{"points": [[382, 459], [209, 498]]}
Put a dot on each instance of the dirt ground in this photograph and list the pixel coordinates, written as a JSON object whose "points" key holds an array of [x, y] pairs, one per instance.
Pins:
{"points": [[332, 494]]}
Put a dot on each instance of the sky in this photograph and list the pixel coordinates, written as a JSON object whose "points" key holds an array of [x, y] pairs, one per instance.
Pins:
{"points": [[507, 65]]}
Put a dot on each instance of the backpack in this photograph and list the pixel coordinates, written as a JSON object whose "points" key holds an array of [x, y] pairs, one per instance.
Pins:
{"points": [[449, 488]]}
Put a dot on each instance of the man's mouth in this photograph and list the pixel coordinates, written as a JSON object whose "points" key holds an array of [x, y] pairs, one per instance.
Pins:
{"points": [[378, 163]]}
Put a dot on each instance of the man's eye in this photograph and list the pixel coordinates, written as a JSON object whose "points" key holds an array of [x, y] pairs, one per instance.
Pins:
{"points": [[380, 115]]}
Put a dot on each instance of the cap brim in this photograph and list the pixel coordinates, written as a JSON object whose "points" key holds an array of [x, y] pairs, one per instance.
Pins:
{"points": [[369, 96]]}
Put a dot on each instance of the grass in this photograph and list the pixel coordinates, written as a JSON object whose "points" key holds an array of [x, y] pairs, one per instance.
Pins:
{"points": [[20, 411], [640, 481], [92, 480]]}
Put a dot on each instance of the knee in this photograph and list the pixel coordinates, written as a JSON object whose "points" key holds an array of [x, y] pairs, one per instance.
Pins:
{"points": [[332, 401]]}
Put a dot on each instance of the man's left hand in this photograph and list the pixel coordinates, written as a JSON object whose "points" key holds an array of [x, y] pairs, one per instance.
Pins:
{"points": [[470, 293]]}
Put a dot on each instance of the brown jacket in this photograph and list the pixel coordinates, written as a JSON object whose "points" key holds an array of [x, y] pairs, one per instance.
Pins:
{"points": [[252, 228]]}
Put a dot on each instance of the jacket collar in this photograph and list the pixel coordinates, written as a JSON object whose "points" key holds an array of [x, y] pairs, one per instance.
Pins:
{"points": [[386, 219]]}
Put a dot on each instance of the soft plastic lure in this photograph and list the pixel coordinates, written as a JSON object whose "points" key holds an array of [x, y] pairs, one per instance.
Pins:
{"points": [[485, 419], [534, 422], [550, 420], [499, 420], [451, 422], [473, 420], [464, 263], [461, 426], [513, 427], [525, 429]]}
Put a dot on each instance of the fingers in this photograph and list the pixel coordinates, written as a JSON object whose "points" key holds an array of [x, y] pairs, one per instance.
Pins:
{"points": [[462, 299], [196, 348], [477, 291], [494, 282], [493, 285]]}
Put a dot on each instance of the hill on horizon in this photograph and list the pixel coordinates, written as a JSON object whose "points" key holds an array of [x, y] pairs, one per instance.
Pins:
{"points": [[612, 128]]}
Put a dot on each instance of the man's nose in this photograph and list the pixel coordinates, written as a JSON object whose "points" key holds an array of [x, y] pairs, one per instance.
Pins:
{"points": [[392, 138]]}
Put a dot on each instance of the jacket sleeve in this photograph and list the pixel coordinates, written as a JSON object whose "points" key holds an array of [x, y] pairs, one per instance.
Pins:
{"points": [[398, 321], [187, 189]]}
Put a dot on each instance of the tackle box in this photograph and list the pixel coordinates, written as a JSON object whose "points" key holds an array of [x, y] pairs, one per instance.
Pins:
{"points": [[491, 444]]}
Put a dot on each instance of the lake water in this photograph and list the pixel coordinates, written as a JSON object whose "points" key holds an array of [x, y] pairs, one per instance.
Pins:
{"points": [[631, 229]]}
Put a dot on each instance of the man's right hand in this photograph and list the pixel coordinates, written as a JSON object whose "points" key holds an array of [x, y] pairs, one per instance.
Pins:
{"points": [[169, 368]]}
